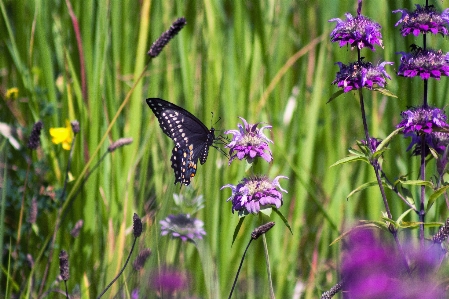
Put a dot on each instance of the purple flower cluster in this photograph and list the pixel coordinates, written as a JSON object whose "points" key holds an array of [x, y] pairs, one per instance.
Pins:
{"points": [[358, 31], [425, 19], [423, 120], [425, 63], [371, 269], [255, 193], [183, 226], [361, 74], [249, 142]]}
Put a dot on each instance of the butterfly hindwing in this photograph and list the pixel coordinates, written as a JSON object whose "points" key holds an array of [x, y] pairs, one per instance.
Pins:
{"points": [[191, 137]]}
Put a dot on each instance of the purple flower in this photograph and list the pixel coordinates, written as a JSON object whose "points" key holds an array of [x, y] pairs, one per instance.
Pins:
{"points": [[372, 144], [249, 142], [183, 226], [425, 19], [421, 124], [422, 120], [425, 63], [372, 269], [255, 193], [361, 74], [359, 31], [168, 280]]}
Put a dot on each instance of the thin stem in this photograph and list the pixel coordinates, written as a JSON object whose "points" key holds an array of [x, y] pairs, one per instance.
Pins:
{"points": [[238, 270], [362, 109], [121, 271], [267, 261], [422, 212]]}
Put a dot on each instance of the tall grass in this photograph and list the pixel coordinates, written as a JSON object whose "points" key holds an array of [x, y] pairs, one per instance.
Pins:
{"points": [[268, 61]]}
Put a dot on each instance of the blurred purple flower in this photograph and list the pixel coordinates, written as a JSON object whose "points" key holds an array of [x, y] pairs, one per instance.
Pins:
{"points": [[425, 63], [255, 193], [361, 74], [135, 294], [249, 142], [358, 31], [371, 269], [183, 226], [168, 280], [425, 19]]}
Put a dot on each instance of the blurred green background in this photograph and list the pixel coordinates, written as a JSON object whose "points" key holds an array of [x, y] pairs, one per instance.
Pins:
{"points": [[266, 61]]}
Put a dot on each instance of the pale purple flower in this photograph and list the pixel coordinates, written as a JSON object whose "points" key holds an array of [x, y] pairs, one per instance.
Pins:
{"points": [[424, 63], [183, 226], [424, 19], [249, 142], [168, 280], [361, 74], [255, 193], [358, 31]]}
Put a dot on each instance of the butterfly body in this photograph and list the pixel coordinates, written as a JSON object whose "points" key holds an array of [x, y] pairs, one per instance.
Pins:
{"points": [[191, 137]]}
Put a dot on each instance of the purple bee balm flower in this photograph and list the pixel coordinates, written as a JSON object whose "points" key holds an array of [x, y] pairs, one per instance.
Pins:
{"points": [[422, 120], [372, 269], [425, 19], [168, 281], [435, 140], [359, 31], [361, 74], [249, 142], [255, 193], [425, 63], [182, 226]]}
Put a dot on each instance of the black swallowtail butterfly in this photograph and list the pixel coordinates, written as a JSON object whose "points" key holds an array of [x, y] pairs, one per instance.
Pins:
{"points": [[191, 137]]}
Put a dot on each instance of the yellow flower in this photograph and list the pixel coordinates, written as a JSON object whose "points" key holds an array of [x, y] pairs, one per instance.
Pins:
{"points": [[62, 135], [12, 93]]}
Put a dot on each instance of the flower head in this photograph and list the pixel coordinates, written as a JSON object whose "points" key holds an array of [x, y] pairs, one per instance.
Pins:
{"points": [[358, 31], [422, 120], [422, 125], [249, 142], [372, 143], [34, 141], [425, 19], [62, 135], [255, 193], [168, 280], [183, 226], [12, 93], [425, 63], [361, 74], [372, 269]]}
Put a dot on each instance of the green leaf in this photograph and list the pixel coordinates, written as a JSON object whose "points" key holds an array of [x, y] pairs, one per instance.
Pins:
{"points": [[267, 211], [386, 92], [417, 183], [391, 221], [335, 95], [283, 219], [376, 223], [387, 139], [237, 229], [435, 195], [349, 159], [403, 215], [408, 195], [356, 152], [362, 187]]}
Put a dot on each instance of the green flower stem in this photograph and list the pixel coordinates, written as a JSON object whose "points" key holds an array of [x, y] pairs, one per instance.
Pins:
{"points": [[267, 261]]}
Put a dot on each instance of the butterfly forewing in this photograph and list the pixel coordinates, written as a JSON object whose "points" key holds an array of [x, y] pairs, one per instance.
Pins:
{"points": [[191, 137]]}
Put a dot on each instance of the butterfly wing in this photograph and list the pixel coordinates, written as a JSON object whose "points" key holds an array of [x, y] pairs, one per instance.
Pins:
{"points": [[191, 137]]}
